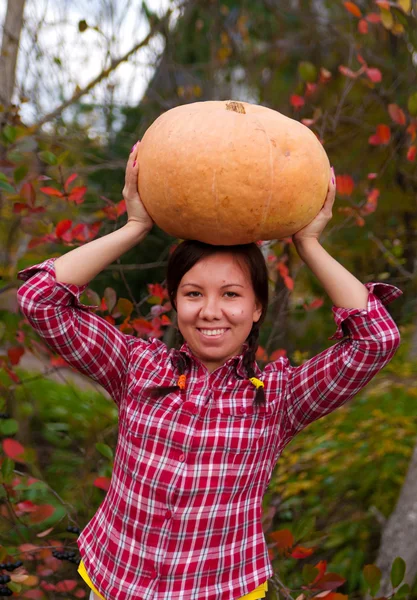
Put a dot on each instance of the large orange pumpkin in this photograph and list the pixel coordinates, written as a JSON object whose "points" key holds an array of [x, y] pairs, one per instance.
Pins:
{"points": [[227, 172]]}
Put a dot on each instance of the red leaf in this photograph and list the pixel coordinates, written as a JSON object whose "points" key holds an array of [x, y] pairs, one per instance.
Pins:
{"points": [[363, 27], [411, 154], [102, 482], [261, 354], [66, 585], [314, 305], [15, 354], [13, 449], [371, 203], [62, 227], [27, 192], [70, 180], [301, 552], [353, 9], [283, 539], [382, 135], [43, 512], [374, 75], [50, 191], [80, 232], [282, 269], [165, 320], [330, 581], [77, 194], [278, 354], [321, 566], [382, 4], [19, 206], [325, 75], [412, 130], [396, 114], [58, 361], [373, 18], [297, 101], [372, 175], [289, 283], [27, 506], [344, 185], [348, 72], [121, 208], [44, 533]]}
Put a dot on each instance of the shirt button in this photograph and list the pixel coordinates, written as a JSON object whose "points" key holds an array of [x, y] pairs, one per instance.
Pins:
{"points": [[242, 409], [153, 575], [181, 457], [168, 514]]}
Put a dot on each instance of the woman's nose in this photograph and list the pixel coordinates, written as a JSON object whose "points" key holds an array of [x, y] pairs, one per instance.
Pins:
{"points": [[211, 309]]}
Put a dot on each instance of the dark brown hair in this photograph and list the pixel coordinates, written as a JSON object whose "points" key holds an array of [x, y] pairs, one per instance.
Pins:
{"points": [[184, 257]]}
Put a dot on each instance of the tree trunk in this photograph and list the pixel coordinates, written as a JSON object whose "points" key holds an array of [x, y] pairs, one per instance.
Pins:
{"points": [[9, 49], [400, 532]]}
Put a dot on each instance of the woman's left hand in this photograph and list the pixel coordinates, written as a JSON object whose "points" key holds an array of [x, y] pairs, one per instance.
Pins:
{"points": [[316, 226]]}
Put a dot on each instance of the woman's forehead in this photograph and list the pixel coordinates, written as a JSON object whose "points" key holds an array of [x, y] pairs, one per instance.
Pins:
{"points": [[221, 266]]}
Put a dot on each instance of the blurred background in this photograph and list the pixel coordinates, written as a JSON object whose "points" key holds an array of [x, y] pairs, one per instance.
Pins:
{"points": [[79, 85]]}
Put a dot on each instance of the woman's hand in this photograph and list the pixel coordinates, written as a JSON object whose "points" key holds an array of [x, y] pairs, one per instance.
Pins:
{"points": [[316, 226], [134, 206]]}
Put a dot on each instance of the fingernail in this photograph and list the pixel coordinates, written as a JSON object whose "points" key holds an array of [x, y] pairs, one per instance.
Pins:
{"points": [[134, 164], [133, 147]]}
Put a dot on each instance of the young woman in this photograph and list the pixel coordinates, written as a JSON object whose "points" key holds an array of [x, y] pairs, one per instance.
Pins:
{"points": [[200, 427]]}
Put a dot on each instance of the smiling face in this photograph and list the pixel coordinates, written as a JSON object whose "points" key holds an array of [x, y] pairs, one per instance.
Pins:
{"points": [[216, 308]]}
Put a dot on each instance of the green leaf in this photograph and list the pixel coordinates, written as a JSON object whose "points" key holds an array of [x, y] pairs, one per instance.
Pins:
{"points": [[63, 157], [3, 177], [6, 187], [7, 468], [105, 450], [412, 104], [10, 133], [304, 526], [307, 71], [15, 587], [397, 571], [9, 426], [20, 173], [402, 592], [372, 577], [48, 157], [309, 574]]}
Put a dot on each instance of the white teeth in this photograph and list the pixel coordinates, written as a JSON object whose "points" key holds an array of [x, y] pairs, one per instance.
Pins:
{"points": [[212, 331]]}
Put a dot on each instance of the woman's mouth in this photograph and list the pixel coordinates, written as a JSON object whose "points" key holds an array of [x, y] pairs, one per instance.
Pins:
{"points": [[213, 333]]}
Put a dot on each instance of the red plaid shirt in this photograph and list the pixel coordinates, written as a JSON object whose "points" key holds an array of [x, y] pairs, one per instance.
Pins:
{"points": [[182, 517]]}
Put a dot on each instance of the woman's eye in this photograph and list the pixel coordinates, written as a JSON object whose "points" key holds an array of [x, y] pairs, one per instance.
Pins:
{"points": [[233, 294], [191, 294]]}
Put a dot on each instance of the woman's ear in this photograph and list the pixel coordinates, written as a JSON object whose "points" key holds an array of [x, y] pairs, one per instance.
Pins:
{"points": [[257, 313]]}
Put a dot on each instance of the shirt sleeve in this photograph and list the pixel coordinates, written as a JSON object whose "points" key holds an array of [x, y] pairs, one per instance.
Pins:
{"points": [[334, 376], [85, 340]]}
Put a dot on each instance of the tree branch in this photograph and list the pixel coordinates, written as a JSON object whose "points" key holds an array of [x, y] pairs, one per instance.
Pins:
{"points": [[103, 75]]}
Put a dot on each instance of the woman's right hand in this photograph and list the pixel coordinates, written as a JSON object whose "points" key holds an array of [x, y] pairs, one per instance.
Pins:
{"points": [[134, 205]]}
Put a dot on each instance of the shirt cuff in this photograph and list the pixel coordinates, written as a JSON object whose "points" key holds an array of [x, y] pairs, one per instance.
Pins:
{"points": [[48, 266], [378, 292]]}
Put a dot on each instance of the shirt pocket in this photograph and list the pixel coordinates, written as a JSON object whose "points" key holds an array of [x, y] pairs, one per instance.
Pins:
{"points": [[239, 424]]}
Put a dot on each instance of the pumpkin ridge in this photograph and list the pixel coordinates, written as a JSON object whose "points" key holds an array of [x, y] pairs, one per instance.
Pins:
{"points": [[271, 162]]}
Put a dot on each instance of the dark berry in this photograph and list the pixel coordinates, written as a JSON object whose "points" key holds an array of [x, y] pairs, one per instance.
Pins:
{"points": [[5, 591], [18, 563], [2, 565]]}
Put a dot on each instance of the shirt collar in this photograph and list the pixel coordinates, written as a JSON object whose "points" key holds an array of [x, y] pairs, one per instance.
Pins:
{"points": [[235, 361]]}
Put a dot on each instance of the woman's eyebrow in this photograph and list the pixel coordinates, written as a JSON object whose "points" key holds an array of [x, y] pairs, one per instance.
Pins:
{"points": [[223, 286]]}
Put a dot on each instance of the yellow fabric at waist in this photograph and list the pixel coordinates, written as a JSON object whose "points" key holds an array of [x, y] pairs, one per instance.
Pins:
{"points": [[259, 592]]}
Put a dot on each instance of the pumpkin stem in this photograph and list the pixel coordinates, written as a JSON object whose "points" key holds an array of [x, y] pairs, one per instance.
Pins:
{"points": [[235, 107]]}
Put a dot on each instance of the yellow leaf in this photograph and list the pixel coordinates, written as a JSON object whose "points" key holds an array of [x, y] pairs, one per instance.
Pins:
{"points": [[387, 19], [405, 5], [397, 29]]}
